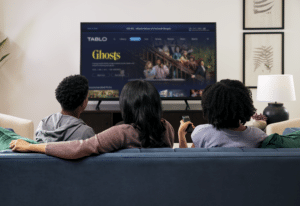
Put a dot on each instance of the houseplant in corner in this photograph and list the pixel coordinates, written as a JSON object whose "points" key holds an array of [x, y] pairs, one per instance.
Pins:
{"points": [[1, 44]]}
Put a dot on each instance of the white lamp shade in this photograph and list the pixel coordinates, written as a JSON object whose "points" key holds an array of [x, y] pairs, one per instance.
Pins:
{"points": [[275, 88]]}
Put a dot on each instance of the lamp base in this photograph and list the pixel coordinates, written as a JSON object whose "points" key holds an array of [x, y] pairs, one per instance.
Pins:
{"points": [[275, 112]]}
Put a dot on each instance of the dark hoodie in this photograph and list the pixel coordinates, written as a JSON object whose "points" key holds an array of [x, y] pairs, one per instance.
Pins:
{"points": [[58, 127]]}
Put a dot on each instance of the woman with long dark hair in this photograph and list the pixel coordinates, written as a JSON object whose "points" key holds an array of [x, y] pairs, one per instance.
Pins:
{"points": [[143, 127]]}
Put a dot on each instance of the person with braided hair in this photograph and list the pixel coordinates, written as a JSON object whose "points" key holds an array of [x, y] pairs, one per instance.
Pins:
{"points": [[227, 106]]}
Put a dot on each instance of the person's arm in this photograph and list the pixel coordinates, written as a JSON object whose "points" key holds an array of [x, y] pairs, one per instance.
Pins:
{"points": [[23, 146], [107, 141], [182, 132]]}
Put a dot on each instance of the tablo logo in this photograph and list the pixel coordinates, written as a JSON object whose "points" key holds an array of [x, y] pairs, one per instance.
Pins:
{"points": [[98, 54], [97, 38]]}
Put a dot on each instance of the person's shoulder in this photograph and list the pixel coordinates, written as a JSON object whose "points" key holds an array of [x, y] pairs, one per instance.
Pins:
{"points": [[166, 124], [54, 115], [169, 132], [50, 119], [204, 127], [256, 131], [125, 129], [201, 133]]}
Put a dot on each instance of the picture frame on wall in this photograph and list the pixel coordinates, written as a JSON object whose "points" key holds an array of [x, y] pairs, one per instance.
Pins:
{"points": [[263, 14], [263, 54]]}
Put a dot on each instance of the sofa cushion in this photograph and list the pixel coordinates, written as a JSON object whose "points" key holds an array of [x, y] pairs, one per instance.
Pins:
{"points": [[290, 130]]}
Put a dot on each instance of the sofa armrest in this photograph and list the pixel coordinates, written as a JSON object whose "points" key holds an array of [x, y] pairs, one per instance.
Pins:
{"points": [[22, 127], [279, 127]]}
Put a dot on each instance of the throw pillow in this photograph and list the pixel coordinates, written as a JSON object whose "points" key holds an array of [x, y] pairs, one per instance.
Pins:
{"points": [[290, 130], [10, 129]]}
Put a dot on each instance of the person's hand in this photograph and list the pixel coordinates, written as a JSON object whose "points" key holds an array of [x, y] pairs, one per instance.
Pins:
{"points": [[19, 145], [193, 76], [183, 126]]}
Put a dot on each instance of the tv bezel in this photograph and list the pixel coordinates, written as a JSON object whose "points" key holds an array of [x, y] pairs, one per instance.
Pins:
{"points": [[162, 98]]}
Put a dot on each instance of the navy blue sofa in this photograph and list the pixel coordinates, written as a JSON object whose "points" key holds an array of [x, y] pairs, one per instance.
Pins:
{"points": [[150, 177]]}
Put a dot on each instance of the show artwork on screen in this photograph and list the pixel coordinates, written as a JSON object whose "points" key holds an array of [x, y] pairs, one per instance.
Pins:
{"points": [[179, 59]]}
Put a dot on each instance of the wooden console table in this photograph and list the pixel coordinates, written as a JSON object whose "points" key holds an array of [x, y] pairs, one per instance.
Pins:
{"points": [[103, 119]]}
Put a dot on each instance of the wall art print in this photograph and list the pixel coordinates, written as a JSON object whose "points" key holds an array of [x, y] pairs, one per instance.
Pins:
{"points": [[263, 14], [263, 55]]}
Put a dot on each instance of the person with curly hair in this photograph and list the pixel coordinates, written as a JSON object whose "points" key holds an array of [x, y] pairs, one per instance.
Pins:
{"points": [[227, 105], [72, 95]]}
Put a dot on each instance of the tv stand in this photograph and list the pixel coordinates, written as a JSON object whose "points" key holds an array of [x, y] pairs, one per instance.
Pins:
{"points": [[101, 120], [97, 108], [187, 105], [98, 105], [99, 102]]}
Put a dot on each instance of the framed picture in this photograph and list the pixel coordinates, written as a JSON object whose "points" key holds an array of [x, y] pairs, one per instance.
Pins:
{"points": [[263, 14], [263, 55]]}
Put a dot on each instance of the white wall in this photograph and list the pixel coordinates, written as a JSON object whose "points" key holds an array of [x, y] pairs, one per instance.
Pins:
{"points": [[44, 41]]}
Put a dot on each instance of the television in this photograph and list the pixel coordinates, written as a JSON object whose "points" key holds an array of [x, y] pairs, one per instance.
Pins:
{"points": [[179, 59]]}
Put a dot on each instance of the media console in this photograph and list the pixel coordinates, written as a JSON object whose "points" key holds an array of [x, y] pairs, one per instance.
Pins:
{"points": [[101, 120]]}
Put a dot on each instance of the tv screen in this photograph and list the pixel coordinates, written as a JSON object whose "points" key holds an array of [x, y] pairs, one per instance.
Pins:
{"points": [[179, 59]]}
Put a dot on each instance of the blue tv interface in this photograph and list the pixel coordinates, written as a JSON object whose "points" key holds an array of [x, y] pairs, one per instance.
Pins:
{"points": [[179, 59]]}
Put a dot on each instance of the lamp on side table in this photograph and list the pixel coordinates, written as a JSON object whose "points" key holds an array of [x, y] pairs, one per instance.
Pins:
{"points": [[275, 88]]}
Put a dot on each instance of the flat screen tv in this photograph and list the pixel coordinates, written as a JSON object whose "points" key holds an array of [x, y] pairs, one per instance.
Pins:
{"points": [[179, 59]]}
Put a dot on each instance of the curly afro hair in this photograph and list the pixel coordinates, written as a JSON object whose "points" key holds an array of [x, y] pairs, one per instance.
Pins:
{"points": [[227, 103], [72, 91]]}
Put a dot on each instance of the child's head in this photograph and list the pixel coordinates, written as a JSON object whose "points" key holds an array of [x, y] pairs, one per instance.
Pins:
{"points": [[72, 92], [192, 58], [148, 65], [227, 103]]}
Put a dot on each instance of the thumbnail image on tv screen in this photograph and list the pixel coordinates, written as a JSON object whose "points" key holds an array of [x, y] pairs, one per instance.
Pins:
{"points": [[179, 59]]}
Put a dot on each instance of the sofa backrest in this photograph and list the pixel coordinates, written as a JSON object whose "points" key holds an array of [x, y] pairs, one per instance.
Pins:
{"points": [[279, 127], [216, 176], [22, 127]]}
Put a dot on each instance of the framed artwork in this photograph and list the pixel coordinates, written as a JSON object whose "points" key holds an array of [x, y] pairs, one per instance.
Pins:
{"points": [[263, 55], [263, 14]]}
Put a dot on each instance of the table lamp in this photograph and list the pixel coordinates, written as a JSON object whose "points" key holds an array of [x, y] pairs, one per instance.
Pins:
{"points": [[275, 88]]}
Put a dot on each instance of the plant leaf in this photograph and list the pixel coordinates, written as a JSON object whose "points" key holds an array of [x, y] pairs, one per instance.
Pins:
{"points": [[2, 58], [2, 43], [263, 55]]}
